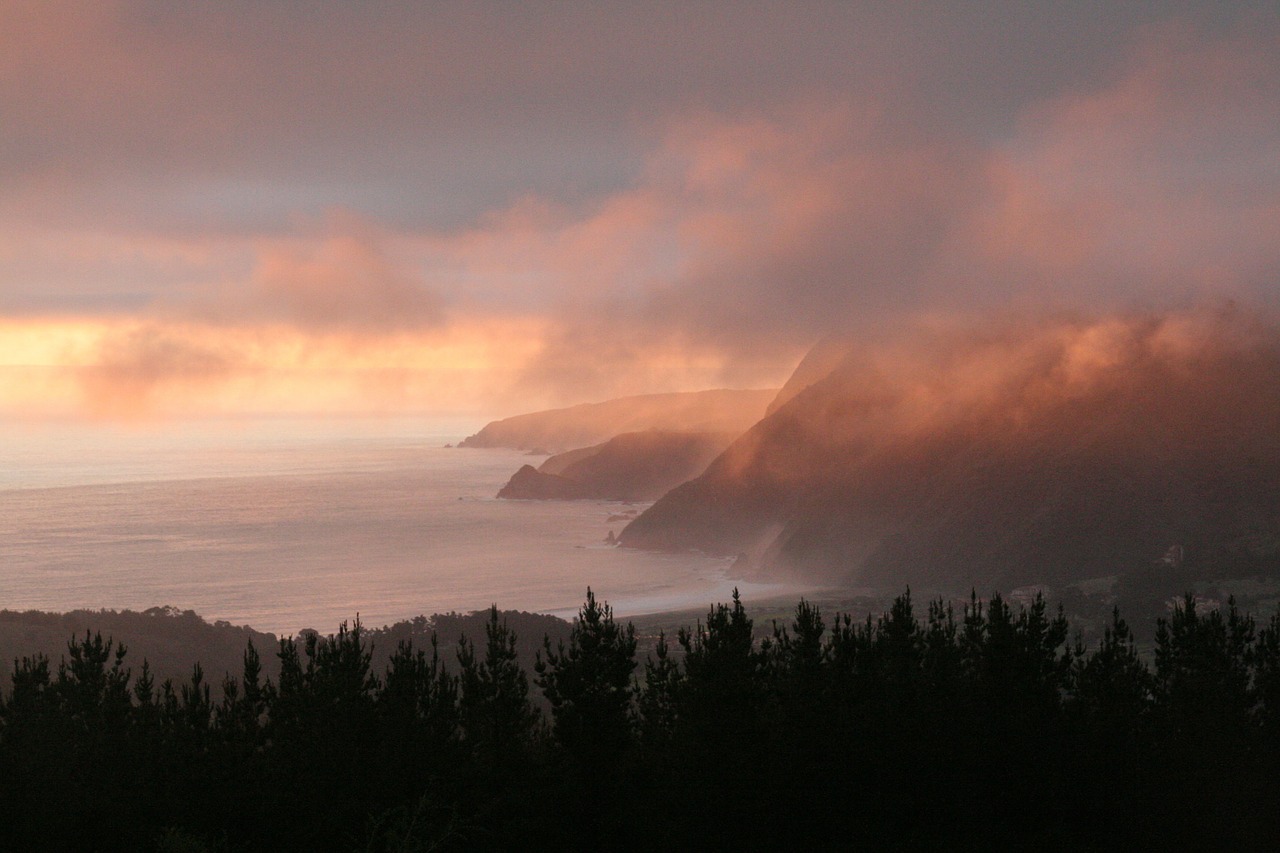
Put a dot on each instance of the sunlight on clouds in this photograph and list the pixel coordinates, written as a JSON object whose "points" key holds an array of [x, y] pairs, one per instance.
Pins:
{"points": [[136, 370], [45, 343], [746, 236]]}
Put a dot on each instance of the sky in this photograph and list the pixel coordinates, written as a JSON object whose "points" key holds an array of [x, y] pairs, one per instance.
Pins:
{"points": [[477, 209]]}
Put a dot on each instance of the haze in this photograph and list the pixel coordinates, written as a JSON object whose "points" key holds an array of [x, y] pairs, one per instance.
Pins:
{"points": [[477, 210]]}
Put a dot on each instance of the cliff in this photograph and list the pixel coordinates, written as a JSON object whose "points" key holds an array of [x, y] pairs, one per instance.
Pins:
{"points": [[531, 484], [1037, 455], [719, 411]]}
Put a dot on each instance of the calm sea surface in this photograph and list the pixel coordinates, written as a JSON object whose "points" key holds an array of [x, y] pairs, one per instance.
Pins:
{"points": [[284, 525]]}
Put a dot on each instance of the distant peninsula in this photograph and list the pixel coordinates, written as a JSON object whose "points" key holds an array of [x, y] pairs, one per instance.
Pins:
{"points": [[590, 424]]}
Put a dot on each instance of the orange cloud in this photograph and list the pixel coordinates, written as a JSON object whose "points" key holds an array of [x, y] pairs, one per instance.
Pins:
{"points": [[121, 369]]}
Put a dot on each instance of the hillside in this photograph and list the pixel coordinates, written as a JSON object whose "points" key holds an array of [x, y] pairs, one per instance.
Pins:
{"points": [[636, 466], [169, 639], [1038, 455], [172, 641], [588, 424]]}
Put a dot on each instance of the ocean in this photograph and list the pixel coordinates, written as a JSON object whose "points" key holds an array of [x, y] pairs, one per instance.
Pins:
{"points": [[287, 524]]}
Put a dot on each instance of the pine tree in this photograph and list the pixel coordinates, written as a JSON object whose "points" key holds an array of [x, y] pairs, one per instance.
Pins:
{"points": [[658, 701], [1203, 675], [722, 727], [419, 695], [93, 693], [30, 694], [589, 684], [496, 715], [1111, 688]]}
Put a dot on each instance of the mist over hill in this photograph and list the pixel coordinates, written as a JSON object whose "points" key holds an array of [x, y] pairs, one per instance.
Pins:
{"points": [[1041, 453], [721, 410], [825, 356]]}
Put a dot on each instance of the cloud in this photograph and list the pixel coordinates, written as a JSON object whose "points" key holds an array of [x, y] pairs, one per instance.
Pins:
{"points": [[131, 367], [242, 114], [1158, 186], [745, 238], [651, 211], [122, 369], [750, 236], [411, 112], [345, 282]]}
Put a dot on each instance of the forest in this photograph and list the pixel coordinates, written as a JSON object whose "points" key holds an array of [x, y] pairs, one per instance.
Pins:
{"points": [[984, 728]]}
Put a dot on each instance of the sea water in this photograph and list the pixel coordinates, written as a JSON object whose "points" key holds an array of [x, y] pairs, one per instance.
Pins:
{"points": [[292, 524]]}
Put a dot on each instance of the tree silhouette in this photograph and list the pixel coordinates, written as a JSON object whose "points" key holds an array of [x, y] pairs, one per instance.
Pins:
{"points": [[419, 699], [589, 684], [497, 718], [1112, 688], [659, 700], [983, 730], [1202, 675], [721, 711]]}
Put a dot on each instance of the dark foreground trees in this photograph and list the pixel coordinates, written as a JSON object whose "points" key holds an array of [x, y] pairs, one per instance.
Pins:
{"points": [[985, 728]]}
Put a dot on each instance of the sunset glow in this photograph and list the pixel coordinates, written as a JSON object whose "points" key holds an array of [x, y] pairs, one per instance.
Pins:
{"points": [[218, 240], [731, 424]]}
